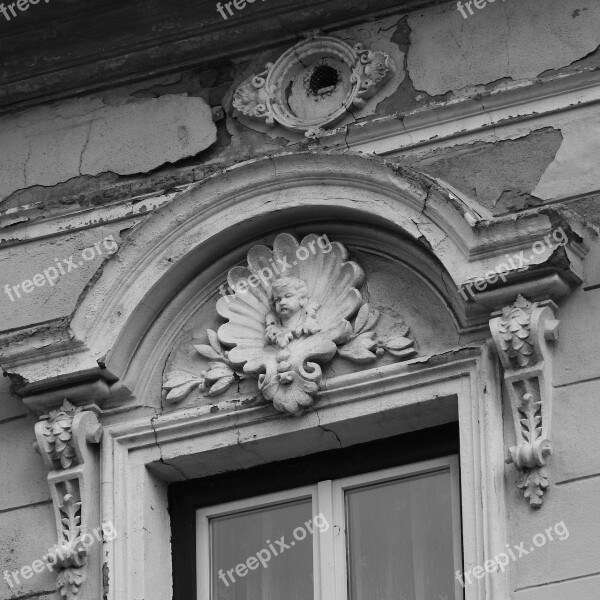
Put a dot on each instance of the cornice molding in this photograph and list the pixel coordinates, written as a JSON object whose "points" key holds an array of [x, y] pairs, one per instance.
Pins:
{"points": [[173, 35], [386, 136], [437, 123], [349, 390], [23, 224]]}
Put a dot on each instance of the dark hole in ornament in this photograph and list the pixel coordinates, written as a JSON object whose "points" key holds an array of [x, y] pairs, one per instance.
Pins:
{"points": [[323, 80]]}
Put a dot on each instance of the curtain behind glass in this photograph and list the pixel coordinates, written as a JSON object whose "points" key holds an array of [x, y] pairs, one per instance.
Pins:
{"points": [[400, 540], [236, 538]]}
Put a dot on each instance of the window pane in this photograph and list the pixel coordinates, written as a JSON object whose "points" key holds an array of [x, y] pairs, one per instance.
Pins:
{"points": [[400, 539], [271, 571]]}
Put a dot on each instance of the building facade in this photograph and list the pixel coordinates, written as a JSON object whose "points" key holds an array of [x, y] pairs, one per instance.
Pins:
{"points": [[300, 302]]}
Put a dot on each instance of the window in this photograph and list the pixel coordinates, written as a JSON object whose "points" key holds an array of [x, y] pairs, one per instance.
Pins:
{"points": [[232, 493], [391, 534]]}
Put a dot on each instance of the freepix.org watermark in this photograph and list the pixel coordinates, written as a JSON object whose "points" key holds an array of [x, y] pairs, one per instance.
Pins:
{"points": [[264, 556], [9, 11], [52, 274], [237, 4], [277, 268], [501, 560], [518, 262], [479, 4], [106, 532]]}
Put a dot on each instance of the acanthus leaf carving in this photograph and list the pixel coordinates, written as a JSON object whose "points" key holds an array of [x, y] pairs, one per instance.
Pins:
{"points": [[371, 70], [251, 98], [521, 334], [62, 438], [283, 329]]}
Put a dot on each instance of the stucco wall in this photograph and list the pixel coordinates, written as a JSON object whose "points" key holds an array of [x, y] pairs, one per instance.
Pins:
{"points": [[26, 514], [69, 171]]}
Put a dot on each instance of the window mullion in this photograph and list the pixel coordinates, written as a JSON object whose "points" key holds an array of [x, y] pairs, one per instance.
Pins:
{"points": [[338, 527], [325, 564]]}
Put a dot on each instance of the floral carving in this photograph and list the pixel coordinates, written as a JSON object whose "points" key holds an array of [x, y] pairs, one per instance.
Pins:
{"points": [[521, 333], [251, 98], [530, 456], [372, 69], [62, 440], [284, 328], [357, 70], [70, 554], [365, 345]]}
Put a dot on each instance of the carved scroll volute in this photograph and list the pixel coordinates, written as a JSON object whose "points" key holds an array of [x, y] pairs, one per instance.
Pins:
{"points": [[64, 439], [522, 334]]}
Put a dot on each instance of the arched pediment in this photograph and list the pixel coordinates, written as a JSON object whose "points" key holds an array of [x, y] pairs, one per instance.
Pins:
{"points": [[171, 266]]}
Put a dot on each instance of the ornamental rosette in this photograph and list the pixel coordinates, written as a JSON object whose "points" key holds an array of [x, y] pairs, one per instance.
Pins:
{"points": [[314, 85]]}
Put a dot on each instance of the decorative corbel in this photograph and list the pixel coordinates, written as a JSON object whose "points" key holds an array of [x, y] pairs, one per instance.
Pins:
{"points": [[521, 333], [63, 439]]}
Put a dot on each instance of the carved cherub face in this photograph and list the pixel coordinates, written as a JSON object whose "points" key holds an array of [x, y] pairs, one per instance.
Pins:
{"points": [[289, 296]]}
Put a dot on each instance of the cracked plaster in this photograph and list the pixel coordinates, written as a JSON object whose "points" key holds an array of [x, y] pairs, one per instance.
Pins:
{"points": [[519, 40], [493, 173], [42, 304], [575, 166], [86, 136]]}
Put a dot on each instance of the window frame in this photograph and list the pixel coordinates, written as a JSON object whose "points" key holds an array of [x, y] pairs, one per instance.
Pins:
{"points": [[185, 498], [341, 486], [330, 549], [154, 551], [203, 534]]}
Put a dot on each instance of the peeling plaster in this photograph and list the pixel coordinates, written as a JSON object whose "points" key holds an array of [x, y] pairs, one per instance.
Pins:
{"points": [[500, 176], [47, 302], [575, 167], [519, 39], [52, 144]]}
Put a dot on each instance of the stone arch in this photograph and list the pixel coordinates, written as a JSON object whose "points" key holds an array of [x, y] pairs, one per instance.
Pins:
{"points": [[438, 236], [262, 195]]}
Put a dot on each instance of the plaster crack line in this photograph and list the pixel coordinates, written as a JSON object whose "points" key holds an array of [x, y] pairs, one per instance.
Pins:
{"points": [[416, 223], [162, 460], [279, 189], [324, 429], [162, 407], [87, 139], [243, 446], [26, 163]]}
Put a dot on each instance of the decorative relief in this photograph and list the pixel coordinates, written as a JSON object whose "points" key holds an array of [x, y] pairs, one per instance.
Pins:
{"points": [[314, 84], [285, 319], [62, 438], [521, 335], [57, 431]]}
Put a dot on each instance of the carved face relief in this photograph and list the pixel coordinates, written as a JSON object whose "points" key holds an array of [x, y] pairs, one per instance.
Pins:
{"points": [[289, 296], [284, 322]]}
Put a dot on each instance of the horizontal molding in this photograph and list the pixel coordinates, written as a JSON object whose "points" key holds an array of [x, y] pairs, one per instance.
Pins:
{"points": [[386, 136], [22, 226], [436, 124], [375, 384]]}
